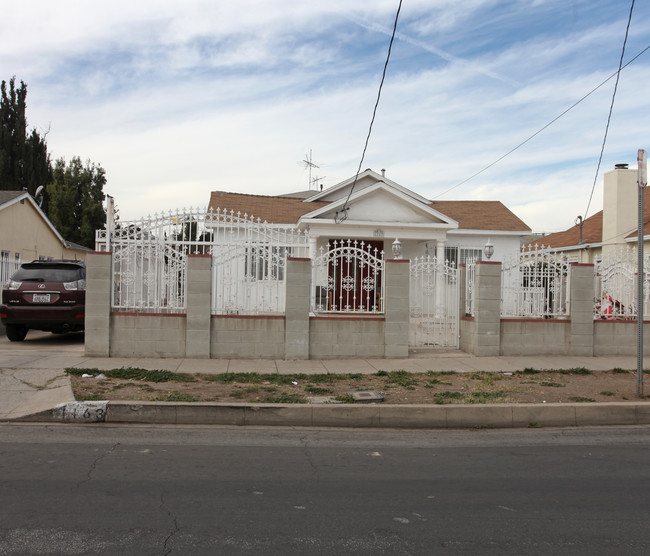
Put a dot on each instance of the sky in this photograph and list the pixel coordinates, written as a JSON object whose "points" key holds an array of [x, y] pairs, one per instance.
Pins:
{"points": [[177, 99]]}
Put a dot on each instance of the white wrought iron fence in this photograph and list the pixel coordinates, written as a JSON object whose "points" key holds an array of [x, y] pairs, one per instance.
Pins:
{"points": [[535, 284], [470, 283], [615, 283], [150, 259], [248, 261], [7, 268], [347, 276], [433, 303]]}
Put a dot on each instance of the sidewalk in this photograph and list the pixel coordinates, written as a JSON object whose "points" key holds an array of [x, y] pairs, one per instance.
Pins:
{"points": [[33, 381]]}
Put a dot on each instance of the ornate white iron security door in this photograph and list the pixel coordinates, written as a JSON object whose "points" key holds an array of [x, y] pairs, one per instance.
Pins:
{"points": [[433, 303], [347, 277]]}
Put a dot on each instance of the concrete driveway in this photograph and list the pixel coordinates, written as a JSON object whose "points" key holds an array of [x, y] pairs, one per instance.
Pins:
{"points": [[32, 376]]}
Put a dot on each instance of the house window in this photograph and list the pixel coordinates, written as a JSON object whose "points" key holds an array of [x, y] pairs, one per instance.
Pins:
{"points": [[4, 256], [463, 255]]}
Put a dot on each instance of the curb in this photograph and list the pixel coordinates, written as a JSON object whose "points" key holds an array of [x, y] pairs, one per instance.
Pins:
{"points": [[350, 415]]}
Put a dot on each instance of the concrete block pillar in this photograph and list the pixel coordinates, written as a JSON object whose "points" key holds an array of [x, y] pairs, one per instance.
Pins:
{"points": [[298, 294], [396, 308], [99, 283], [487, 308], [198, 306], [581, 309]]}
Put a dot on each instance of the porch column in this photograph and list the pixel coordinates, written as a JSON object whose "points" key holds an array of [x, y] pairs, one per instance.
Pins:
{"points": [[440, 251], [313, 247]]}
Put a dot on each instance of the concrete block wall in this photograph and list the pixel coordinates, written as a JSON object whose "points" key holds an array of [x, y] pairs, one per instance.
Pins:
{"points": [[198, 306], [346, 337], [247, 337], [396, 308], [487, 308], [198, 334], [467, 333], [616, 337], [535, 336], [147, 335], [296, 342], [98, 304], [582, 309]]}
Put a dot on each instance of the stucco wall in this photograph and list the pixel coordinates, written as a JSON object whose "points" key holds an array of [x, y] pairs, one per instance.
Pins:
{"points": [[23, 230]]}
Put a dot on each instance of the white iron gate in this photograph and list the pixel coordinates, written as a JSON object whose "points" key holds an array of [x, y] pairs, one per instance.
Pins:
{"points": [[433, 303]]}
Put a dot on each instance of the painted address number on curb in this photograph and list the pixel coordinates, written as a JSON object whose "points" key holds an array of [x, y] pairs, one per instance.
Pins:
{"points": [[84, 412]]}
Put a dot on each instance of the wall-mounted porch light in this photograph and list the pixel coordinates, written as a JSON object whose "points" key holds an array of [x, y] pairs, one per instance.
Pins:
{"points": [[397, 248], [488, 250]]}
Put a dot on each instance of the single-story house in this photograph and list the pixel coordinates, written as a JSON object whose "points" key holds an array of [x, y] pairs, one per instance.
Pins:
{"points": [[26, 234], [378, 210]]}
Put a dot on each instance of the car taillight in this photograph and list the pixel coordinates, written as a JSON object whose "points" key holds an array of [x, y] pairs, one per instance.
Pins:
{"points": [[12, 285], [76, 285]]}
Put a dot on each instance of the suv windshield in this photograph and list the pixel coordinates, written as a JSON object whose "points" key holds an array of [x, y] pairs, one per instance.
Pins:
{"points": [[48, 273]]}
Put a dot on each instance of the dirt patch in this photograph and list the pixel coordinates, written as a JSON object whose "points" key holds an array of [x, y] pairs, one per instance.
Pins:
{"points": [[397, 387]]}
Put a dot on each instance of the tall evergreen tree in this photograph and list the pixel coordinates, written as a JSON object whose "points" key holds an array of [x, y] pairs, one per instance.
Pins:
{"points": [[76, 200], [24, 161]]}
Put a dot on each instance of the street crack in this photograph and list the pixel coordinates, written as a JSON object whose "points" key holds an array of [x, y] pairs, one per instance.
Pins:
{"points": [[95, 462], [166, 549]]}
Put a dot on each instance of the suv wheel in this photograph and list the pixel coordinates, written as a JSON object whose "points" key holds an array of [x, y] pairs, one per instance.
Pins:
{"points": [[16, 332]]}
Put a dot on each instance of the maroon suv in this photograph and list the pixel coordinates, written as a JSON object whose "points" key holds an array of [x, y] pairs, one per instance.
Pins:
{"points": [[44, 295]]}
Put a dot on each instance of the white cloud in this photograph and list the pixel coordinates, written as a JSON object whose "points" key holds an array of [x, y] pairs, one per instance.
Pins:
{"points": [[177, 101]]}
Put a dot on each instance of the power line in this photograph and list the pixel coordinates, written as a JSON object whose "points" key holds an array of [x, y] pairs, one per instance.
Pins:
{"points": [[372, 121], [543, 128], [611, 108]]}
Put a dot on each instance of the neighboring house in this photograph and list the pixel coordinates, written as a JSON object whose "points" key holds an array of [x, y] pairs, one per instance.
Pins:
{"points": [[612, 228], [379, 211], [26, 234]]}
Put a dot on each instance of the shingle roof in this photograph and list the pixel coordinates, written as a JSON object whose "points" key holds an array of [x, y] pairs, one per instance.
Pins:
{"points": [[6, 196], [473, 215], [481, 215], [278, 210], [592, 232]]}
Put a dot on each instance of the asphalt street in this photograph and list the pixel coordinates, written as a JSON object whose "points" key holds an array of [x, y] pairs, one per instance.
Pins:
{"points": [[73, 489]]}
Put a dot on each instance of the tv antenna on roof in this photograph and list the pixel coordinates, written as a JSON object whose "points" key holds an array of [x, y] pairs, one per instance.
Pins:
{"points": [[310, 164]]}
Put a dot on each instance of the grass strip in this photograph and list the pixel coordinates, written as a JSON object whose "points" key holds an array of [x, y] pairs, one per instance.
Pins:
{"points": [[134, 373]]}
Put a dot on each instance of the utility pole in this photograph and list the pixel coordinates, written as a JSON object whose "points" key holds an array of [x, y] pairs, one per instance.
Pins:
{"points": [[640, 270]]}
